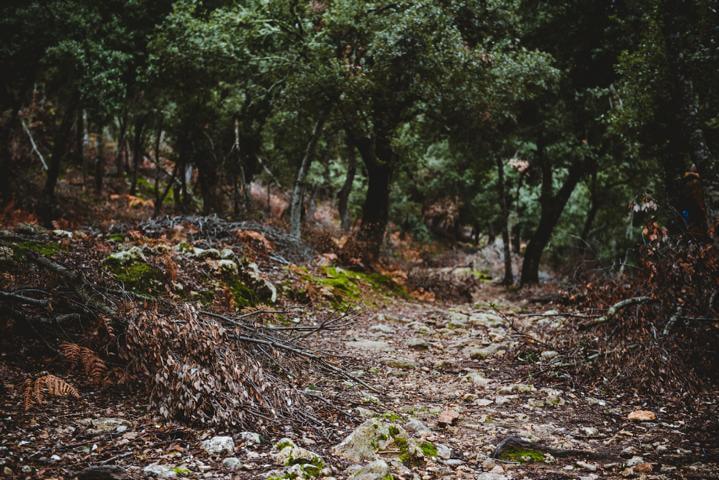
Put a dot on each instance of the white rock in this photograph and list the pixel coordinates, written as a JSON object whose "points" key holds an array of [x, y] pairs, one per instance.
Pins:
{"points": [[382, 328], [416, 426], [635, 460], [443, 451], [133, 254], [376, 470], [251, 437], [369, 345], [549, 354], [417, 343], [592, 467], [289, 454], [219, 444], [491, 476], [159, 471], [105, 424], [372, 435], [55, 458], [232, 463]]}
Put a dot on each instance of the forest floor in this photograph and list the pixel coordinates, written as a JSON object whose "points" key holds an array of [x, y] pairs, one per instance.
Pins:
{"points": [[450, 380]]}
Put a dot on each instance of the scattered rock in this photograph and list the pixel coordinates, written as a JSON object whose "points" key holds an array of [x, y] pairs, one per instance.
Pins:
{"points": [[642, 416], [231, 463], [219, 444], [105, 424], [123, 257], [403, 363], [549, 355], [382, 328], [102, 472], [448, 417], [418, 343], [376, 470], [159, 471], [369, 345], [417, 426], [636, 460], [251, 437], [592, 467], [302, 462], [491, 476], [443, 451]]}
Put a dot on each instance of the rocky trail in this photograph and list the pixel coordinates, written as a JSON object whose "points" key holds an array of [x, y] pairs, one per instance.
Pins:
{"points": [[474, 390], [450, 394]]}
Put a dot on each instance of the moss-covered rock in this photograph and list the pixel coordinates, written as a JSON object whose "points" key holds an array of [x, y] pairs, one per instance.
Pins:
{"points": [[46, 249], [522, 455], [131, 268], [301, 462]]}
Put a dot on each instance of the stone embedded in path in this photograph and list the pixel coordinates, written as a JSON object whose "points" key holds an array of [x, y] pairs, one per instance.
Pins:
{"points": [[418, 343], [218, 444], [369, 345], [403, 363], [376, 470], [642, 416], [232, 463], [302, 463], [382, 328], [159, 471], [105, 424]]}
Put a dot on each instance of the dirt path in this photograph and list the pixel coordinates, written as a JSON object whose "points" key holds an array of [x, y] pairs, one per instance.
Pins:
{"points": [[436, 364], [449, 379]]}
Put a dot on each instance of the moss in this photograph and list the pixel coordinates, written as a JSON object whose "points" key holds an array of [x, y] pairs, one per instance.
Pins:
{"points": [[482, 275], [428, 449], [389, 476], [522, 455], [243, 295], [181, 471], [281, 445], [392, 417], [116, 237], [137, 276], [45, 249]]}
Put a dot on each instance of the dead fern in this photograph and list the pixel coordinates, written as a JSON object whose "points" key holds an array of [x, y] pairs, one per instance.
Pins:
{"points": [[34, 391], [85, 359]]}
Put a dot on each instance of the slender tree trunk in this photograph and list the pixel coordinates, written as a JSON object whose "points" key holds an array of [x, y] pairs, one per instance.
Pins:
{"points": [[551, 211], [591, 213], [6, 156], [46, 208], [344, 194], [138, 151], [501, 190], [99, 160], [80, 128], [298, 190], [121, 143]]}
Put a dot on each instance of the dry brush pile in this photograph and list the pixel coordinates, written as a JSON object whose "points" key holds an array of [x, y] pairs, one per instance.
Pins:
{"points": [[198, 363], [654, 328]]}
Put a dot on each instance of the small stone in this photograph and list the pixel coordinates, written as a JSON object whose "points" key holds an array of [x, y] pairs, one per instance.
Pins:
{"points": [[26, 469], [159, 471], [251, 437], [219, 444], [548, 355], [402, 363], [443, 451], [589, 431], [416, 426], [231, 463], [491, 476], [418, 343], [382, 328], [105, 424], [587, 466], [376, 470], [635, 460], [448, 417], [370, 345], [642, 416], [55, 458], [7, 471]]}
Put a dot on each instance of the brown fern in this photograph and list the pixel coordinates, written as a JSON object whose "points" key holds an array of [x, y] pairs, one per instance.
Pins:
{"points": [[77, 356], [34, 391]]}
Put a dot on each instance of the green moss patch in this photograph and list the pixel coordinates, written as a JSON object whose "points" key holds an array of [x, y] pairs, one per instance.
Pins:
{"points": [[428, 449], [137, 276], [243, 295], [522, 455], [47, 249]]}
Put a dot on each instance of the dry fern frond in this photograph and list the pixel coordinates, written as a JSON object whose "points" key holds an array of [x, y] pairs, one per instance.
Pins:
{"points": [[34, 391], [78, 356]]}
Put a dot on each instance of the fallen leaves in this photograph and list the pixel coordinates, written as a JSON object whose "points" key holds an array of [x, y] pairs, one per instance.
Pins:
{"points": [[448, 417]]}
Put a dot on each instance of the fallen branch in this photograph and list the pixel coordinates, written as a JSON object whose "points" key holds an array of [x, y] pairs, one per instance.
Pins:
{"points": [[15, 297], [617, 307]]}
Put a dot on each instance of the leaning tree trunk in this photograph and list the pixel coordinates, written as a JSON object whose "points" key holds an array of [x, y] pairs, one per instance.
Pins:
{"points": [[344, 194], [501, 190], [551, 211], [298, 190]]}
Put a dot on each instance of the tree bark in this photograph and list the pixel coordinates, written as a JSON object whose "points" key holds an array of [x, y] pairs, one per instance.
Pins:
{"points": [[6, 156], [137, 151], [344, 194], [121, 149], [379, 160], [298, 190], [551, 211], [46, 208], [591, 213], [501, 190], [99, 160]]}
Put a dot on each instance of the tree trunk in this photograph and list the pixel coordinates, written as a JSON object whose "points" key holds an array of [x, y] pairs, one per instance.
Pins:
{"points": [[46, 209], [119, 159], [379, 158], [6, 157], [501, 190], [591, 213], [99, 160], [551, 211], [344, 194], [298, 190], [137, 151]]}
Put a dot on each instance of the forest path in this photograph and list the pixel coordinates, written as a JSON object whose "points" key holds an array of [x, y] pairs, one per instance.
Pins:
{"points": [[454, 369]]}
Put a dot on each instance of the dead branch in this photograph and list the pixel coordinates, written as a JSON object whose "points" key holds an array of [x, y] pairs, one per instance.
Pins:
{"points": [[16, 297], [617, 307]]}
